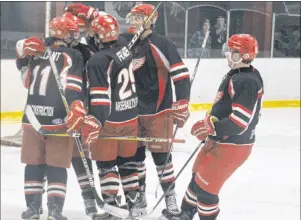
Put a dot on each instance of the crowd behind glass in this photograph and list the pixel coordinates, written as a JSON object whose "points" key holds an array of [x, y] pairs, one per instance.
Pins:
{"points": [[276, 25]]}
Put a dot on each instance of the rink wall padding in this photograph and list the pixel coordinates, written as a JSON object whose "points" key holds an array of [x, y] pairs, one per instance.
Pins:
{"points": [[281, 77], [15, 117]]}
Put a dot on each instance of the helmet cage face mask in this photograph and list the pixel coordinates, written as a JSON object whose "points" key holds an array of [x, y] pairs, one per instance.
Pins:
{"points": [[132, 18], [98, 42], [139, 15], [233, 56], [135, 22], [72, 38]]}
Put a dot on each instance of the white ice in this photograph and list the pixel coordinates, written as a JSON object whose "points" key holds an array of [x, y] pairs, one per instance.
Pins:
{"points": [[266, 187]]}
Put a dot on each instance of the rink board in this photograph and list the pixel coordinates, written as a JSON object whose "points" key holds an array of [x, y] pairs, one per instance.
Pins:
{"points": [[11, 117]]}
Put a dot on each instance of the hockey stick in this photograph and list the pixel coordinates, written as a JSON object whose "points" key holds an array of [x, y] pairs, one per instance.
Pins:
{"points": [[119, 212], [39, 128], [171, 185], [176, 129], [141, 29], [11, 141]]}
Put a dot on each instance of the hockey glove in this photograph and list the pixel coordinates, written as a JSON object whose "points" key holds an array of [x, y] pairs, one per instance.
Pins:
{"points": [[83, 11], [180, 112], [32, 46], [22, 62], [90, 129], [203, 128], [75, 117]]}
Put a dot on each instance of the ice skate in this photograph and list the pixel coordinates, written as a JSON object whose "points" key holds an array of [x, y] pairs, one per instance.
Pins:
{"points": [[55, 213], [171, 202], [136, 205], [181, 215], [32, 212], [90, 207]]}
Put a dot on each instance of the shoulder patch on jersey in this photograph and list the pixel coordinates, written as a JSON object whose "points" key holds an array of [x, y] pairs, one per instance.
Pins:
{"points": [[137, 63]]}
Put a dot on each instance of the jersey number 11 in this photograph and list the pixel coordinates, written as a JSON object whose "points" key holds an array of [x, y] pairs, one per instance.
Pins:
{"points": [[45, 72]]}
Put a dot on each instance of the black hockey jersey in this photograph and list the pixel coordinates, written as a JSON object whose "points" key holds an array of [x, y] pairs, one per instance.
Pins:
{"points": [[156, 63], [238, 106], [112, 85], [43, 94], [87, 52]]}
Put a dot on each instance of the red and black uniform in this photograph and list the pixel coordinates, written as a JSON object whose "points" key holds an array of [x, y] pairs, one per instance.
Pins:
{"points": [[237, 107], [157, 64], [49, 155], [113, 101], [43, 94]]}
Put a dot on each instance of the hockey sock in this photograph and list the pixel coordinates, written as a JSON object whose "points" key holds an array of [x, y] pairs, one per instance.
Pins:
{"points": [[140, 158], [109, 180], [189, 202], [33, 183], [206, 203], [168, 173], [57, 180], [129, 174], [82, 177]]}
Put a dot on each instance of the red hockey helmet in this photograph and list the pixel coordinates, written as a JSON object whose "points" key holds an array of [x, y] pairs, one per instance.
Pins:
{"points": [[79, 21], [145, 10], [244, 44], [142, 11], [106, 27], [63, 28]]}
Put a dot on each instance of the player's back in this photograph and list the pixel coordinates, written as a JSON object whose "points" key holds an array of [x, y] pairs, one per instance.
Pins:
{"points": [[43, 94], [112, 69]]}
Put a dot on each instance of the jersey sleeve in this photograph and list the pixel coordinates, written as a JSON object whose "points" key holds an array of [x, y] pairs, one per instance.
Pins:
{"points": [[98, 79], [73, 68], [178, 71], [245, 94]]}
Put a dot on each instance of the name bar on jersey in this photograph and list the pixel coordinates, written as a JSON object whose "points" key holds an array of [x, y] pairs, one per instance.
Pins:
{"points": [[43, 110], [126, 104]]}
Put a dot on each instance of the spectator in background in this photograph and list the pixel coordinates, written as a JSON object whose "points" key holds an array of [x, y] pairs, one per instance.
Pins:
{"points": [[295, 43], [287, 42], [196, 41], [218, 35]]}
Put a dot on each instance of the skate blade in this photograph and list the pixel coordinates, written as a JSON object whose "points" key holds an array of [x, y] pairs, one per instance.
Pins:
{"points": [[36, 217]]}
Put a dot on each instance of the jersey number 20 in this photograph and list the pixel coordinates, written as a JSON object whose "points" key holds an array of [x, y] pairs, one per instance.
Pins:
{"points": [[125, 77]]}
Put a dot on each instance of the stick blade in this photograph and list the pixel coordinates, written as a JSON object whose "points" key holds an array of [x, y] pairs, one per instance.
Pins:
{"points": [[116, 211]]}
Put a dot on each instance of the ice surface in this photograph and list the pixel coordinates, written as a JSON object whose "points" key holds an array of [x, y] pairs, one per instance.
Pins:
{"points": [[266, 187]]}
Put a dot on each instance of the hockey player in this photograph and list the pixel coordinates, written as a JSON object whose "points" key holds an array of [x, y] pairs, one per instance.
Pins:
{"points": [[114, 103], [87, 51], [51, 154], [156, 65], [229, 131]]}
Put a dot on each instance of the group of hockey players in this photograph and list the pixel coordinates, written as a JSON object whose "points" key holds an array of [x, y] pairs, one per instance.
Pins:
{"points": [[113, 90]]}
